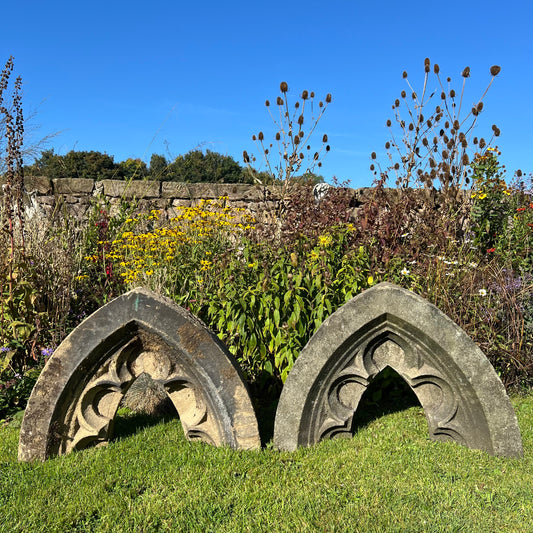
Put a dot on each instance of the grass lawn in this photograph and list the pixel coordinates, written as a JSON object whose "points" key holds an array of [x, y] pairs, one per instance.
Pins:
{"points": [[388, 477]]}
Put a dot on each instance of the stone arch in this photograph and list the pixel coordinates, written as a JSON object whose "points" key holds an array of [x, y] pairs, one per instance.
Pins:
{"points": [[75, 399], [462, 397]]}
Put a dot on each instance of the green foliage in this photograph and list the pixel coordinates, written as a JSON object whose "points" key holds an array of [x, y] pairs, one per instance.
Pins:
{"points": [[211, 167], [131, 169], [92, 165]]}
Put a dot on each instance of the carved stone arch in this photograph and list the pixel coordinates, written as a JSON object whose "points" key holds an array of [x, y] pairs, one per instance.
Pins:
{"points": [[78, 392], [462, 397]]}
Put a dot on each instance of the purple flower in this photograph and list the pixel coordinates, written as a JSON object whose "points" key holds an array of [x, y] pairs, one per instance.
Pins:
{"points": [[47, 352], [4, 349]]}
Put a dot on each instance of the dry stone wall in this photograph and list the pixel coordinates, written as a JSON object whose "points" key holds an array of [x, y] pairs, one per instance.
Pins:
{"points": [[43, 195]]}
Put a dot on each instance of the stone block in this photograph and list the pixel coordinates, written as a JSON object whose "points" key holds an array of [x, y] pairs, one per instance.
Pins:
{"points": [[38, 184], [73, 186], [132, 189]]}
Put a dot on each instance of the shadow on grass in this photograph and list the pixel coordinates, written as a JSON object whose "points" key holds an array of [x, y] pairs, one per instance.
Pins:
{"points": [[387, 393], [128, 423]]}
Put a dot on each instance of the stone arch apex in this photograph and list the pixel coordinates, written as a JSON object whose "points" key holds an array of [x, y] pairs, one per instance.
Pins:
{"points": [[463, 398], [76, 396]]}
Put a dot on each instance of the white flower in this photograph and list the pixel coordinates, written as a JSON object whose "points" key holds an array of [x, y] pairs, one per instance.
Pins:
{"points": [[405, 272], [482, 292], [472, 265]]}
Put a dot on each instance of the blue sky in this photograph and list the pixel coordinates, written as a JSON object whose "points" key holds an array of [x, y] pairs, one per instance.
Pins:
{"points": [[132, 78]]}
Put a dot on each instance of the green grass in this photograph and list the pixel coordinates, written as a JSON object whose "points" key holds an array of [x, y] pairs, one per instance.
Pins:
{"points": [[388, 477]]}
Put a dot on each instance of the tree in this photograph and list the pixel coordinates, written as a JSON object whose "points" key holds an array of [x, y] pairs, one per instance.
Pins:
{"points": [[158, 167], [132, 169], [195, 166]]}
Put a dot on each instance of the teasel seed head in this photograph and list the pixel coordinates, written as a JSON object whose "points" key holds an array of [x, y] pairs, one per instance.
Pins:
{"points": [[397, 102], [396, 166], [426, 64], [448, 79], [254, 138], [456, 124], [413, 95], [302, 156], [319, 164], [267, 103], [315, 157], [372, 167], [495, 70], [518, 173], [436, 68], [279, 101], [301, 120], [245, 156], [320, 104], [497, 132], [403, 94], [474, 140], [482, 143], [328, 148], [305, 95], [411, 126], [425, 142], [325, 138], [301, 134], [466, 72], [464, 143], [297, 139], [308, 147], [389, 123], [464, 160], [452, 93], [404, 74], [387, 145], [278, 136], [479, 107], [443, 95], [266, 151], [283, 87], [373, 155], [475, 112], [296, 105], [260, 136], [312, 94], [328, 98]]}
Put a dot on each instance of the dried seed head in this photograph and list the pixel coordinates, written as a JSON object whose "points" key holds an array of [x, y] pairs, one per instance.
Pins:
{"points": [[482, 143], [325, 138], [328, 148], [315, 157], [373, 155], [397, 102], [403, 94], [297, 139], [475, 112], [301, 134], [396, 166], [260, 136], [320, 104], [428, 123], [475, 141], [245, 156], [254, 138], [413, 95], [495, 70], [466, 72], [497, 132], [312, 94], [267, 103], [266, 151], [279, 101], [308, 147], [278, 136], [283, 87], [387, 145], [328, 98], [446, 124], [426, 64], [479, 107], [305, 95], [319, 164], [389, 123], [301, 155], [297, 105], [448, 79], [404, 74], [443, 95], [465, 160], [372, 167], [301, 120], [436, 68], [464, 143], [411, 127], [445, 154], [452, 94], [456, 124], [425, 142], [518, 173]]}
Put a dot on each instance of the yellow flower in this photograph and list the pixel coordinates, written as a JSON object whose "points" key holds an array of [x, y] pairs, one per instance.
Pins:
{"points": [[370, 280], [482, 196], [149, 272], [325, 240]]}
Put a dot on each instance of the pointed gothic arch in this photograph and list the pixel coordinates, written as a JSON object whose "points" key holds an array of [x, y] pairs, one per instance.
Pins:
{"points": [[462, 397], [75, 399]]}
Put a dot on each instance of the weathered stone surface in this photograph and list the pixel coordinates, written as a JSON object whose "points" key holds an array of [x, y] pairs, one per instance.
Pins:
{"points": [[38, 184], [132, 189], [74, 401], [73, 186], [463, 398]]}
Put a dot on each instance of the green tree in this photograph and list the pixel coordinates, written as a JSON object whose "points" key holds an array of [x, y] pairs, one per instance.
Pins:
{"points": [[195, 166], [132, 169], [158, 167]]}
